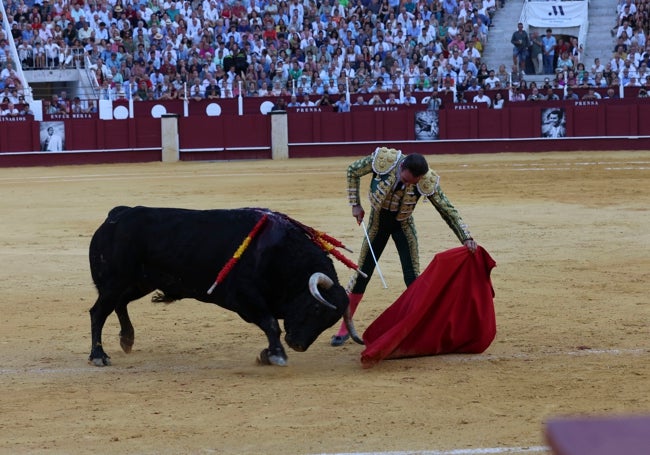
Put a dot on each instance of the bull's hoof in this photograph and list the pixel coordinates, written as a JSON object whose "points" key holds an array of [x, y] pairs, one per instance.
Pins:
{"points": [[98, 357], [266, 359], [104, 361], [126, 342]]}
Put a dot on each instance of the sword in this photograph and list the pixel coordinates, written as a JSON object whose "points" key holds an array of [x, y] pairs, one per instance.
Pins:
{"points": [[372, 252]]}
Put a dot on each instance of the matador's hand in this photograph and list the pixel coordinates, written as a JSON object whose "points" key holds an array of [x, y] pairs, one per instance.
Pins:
{"points": [[358, 213], [470, 244]]}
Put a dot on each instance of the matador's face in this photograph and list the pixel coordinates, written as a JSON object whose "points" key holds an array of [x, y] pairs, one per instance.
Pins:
{"points": [[407, 177]]}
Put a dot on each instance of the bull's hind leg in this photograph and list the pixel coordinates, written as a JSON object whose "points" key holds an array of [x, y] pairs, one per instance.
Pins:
{"points": [[98, 314], [127, 333]]}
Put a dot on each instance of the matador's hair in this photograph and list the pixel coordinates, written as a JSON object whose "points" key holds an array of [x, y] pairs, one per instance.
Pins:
{"points": [[416, 163]]}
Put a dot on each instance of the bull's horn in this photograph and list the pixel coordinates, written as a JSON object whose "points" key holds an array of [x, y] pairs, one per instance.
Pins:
{"points": [[316, 279], [347, 319]]}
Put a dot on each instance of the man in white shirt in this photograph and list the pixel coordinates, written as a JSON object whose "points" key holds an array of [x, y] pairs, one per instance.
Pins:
{"points": [[492, 80], [10, 111], [481, 97]]}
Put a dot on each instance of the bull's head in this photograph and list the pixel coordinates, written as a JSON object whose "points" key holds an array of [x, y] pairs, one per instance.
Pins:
{"points": [[309, 321]]}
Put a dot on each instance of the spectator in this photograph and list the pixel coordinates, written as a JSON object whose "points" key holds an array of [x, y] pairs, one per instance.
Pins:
{"points": [[342, 105], [324, 100], [433, 102], [306, 102], [591, 95], [76, 107], [212, 90], [293, 102], [409, 99], [548, 50], [537, 52], [570, 95], [10, 110], [481, 97], [551, 95], [491, 81], [280, 105], [502, 74], [360, 101], [564, 61], [392, 99], [39, 55], [515, 94], [521, 43], [535, 95], [498, 101], [375, 100]]}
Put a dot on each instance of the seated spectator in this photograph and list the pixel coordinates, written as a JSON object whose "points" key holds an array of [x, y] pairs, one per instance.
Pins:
{"points": [[10, 110], [515, 94], [375, 100], [360, 101], [212, 91], [392, 99], [279, 105], [324, 100], [591, 95], [24, 108], [564, 61], [498, 101], [293, 101], [409, 99], [570, 95], [491, 80], [76, 107], [551, 95], [481, 97], [535, 95], [25, 54], [306, 102], [195, 92]]}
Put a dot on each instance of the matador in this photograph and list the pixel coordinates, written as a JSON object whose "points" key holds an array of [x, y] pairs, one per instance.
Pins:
{"points": [[398, 182]]}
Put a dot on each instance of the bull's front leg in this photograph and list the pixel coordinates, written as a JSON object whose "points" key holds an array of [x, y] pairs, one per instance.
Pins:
{"points": [[274, 354]]}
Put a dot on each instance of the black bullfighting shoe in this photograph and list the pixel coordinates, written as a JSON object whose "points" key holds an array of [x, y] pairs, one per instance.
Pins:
{"points": [[339, 340]]}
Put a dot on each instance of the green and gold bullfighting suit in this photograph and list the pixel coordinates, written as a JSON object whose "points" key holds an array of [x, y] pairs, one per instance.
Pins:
{"points": [[391, 214]]}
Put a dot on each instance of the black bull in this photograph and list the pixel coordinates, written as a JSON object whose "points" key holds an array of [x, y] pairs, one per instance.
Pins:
{"points": [[282, 274]]}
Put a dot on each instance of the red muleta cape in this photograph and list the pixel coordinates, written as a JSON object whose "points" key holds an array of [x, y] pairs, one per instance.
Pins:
{"points": [[448, 309]]}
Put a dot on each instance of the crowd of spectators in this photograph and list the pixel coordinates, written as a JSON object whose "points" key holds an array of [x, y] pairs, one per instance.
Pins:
{"points": [[207, 48], [165, 49]]}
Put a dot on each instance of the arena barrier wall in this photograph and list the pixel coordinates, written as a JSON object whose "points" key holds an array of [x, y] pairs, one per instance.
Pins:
{"points": [[215, 131]]}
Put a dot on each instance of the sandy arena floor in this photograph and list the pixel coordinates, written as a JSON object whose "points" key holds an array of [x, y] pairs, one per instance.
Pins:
{"points": [[570, 235]]}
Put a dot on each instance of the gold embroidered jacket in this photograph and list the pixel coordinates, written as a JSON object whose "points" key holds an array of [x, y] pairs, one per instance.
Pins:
{"points": [[384, 193]]}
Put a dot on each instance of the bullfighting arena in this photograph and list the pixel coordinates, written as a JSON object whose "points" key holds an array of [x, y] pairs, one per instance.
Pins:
{"points": [[570, 233]]}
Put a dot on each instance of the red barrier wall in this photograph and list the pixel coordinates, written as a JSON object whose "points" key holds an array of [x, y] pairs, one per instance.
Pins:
{"points": [[320, 131]]}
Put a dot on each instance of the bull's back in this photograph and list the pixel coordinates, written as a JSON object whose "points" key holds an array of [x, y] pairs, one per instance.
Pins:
{"points": [[161, 242]]}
